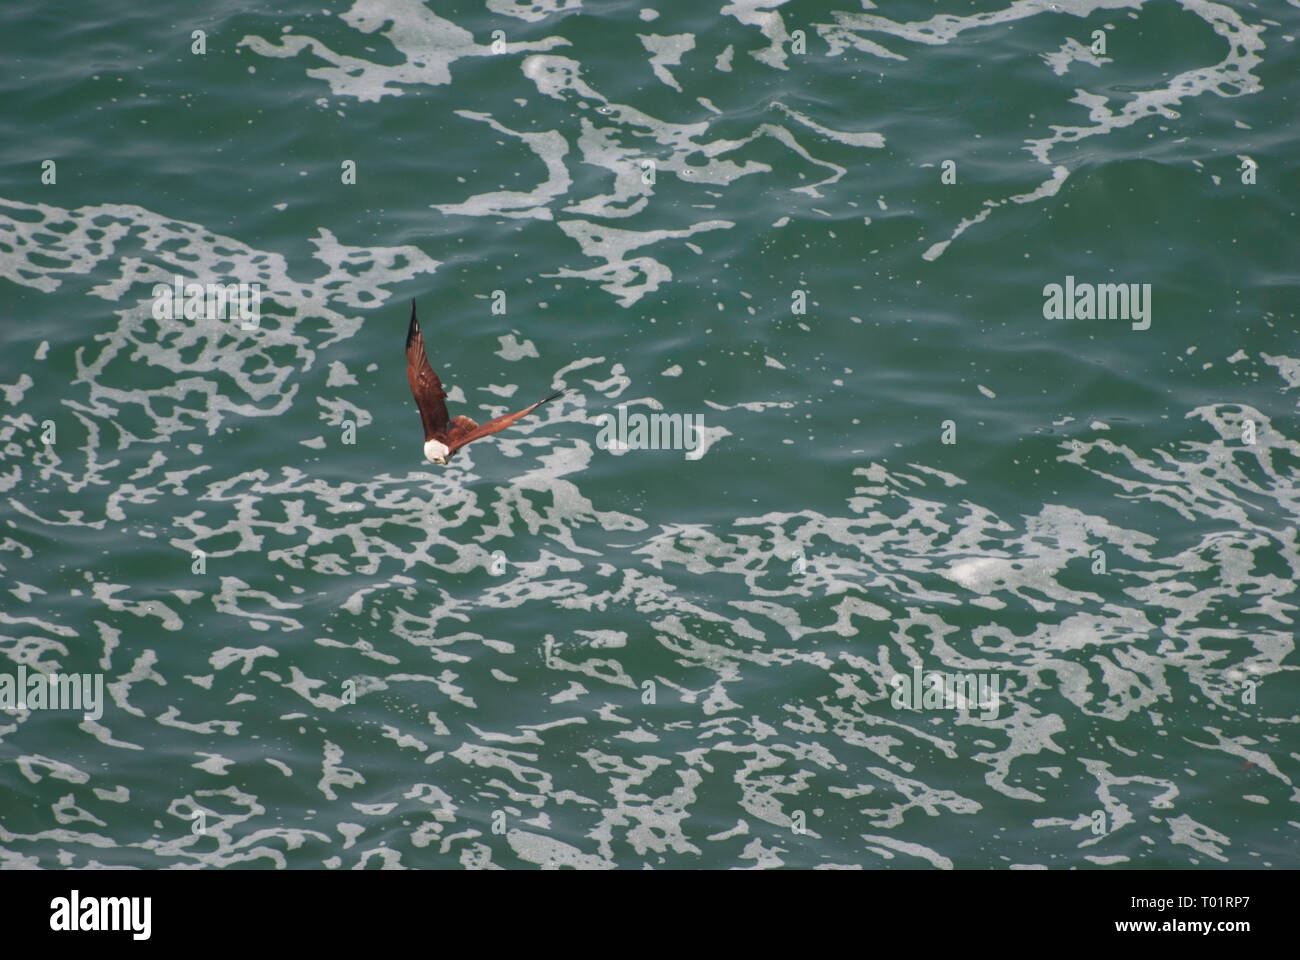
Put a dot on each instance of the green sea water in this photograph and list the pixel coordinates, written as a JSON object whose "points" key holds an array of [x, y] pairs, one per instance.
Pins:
{"points": [[825, 235]]}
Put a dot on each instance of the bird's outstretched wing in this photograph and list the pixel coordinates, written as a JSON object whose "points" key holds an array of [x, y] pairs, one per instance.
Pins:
{"points": [[425, 385], [464, 430]]}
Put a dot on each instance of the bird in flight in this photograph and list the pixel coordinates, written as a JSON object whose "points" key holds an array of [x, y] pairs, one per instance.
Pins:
{"points": [[443, 437]]}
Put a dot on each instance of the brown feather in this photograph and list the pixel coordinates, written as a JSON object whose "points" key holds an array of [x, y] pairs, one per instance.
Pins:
{"points": [[461, 426], [425, 385], [465, 430]]}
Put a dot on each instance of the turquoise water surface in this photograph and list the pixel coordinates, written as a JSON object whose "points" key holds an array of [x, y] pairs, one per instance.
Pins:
{"points": [[822, 235]]}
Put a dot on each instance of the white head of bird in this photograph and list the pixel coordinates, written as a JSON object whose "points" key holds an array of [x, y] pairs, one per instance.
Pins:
{"points": [[436, 452]]}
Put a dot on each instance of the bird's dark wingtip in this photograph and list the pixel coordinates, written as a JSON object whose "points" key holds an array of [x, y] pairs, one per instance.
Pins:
{"points": [[556, 394], [413, 330]]}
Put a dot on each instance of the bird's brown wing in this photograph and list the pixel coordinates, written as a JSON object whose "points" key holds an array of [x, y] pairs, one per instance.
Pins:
{"points": [[425, 385], [464, 430]]}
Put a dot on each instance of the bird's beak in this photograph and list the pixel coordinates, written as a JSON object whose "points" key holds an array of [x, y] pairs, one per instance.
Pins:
{"points": [[442, 461]]}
